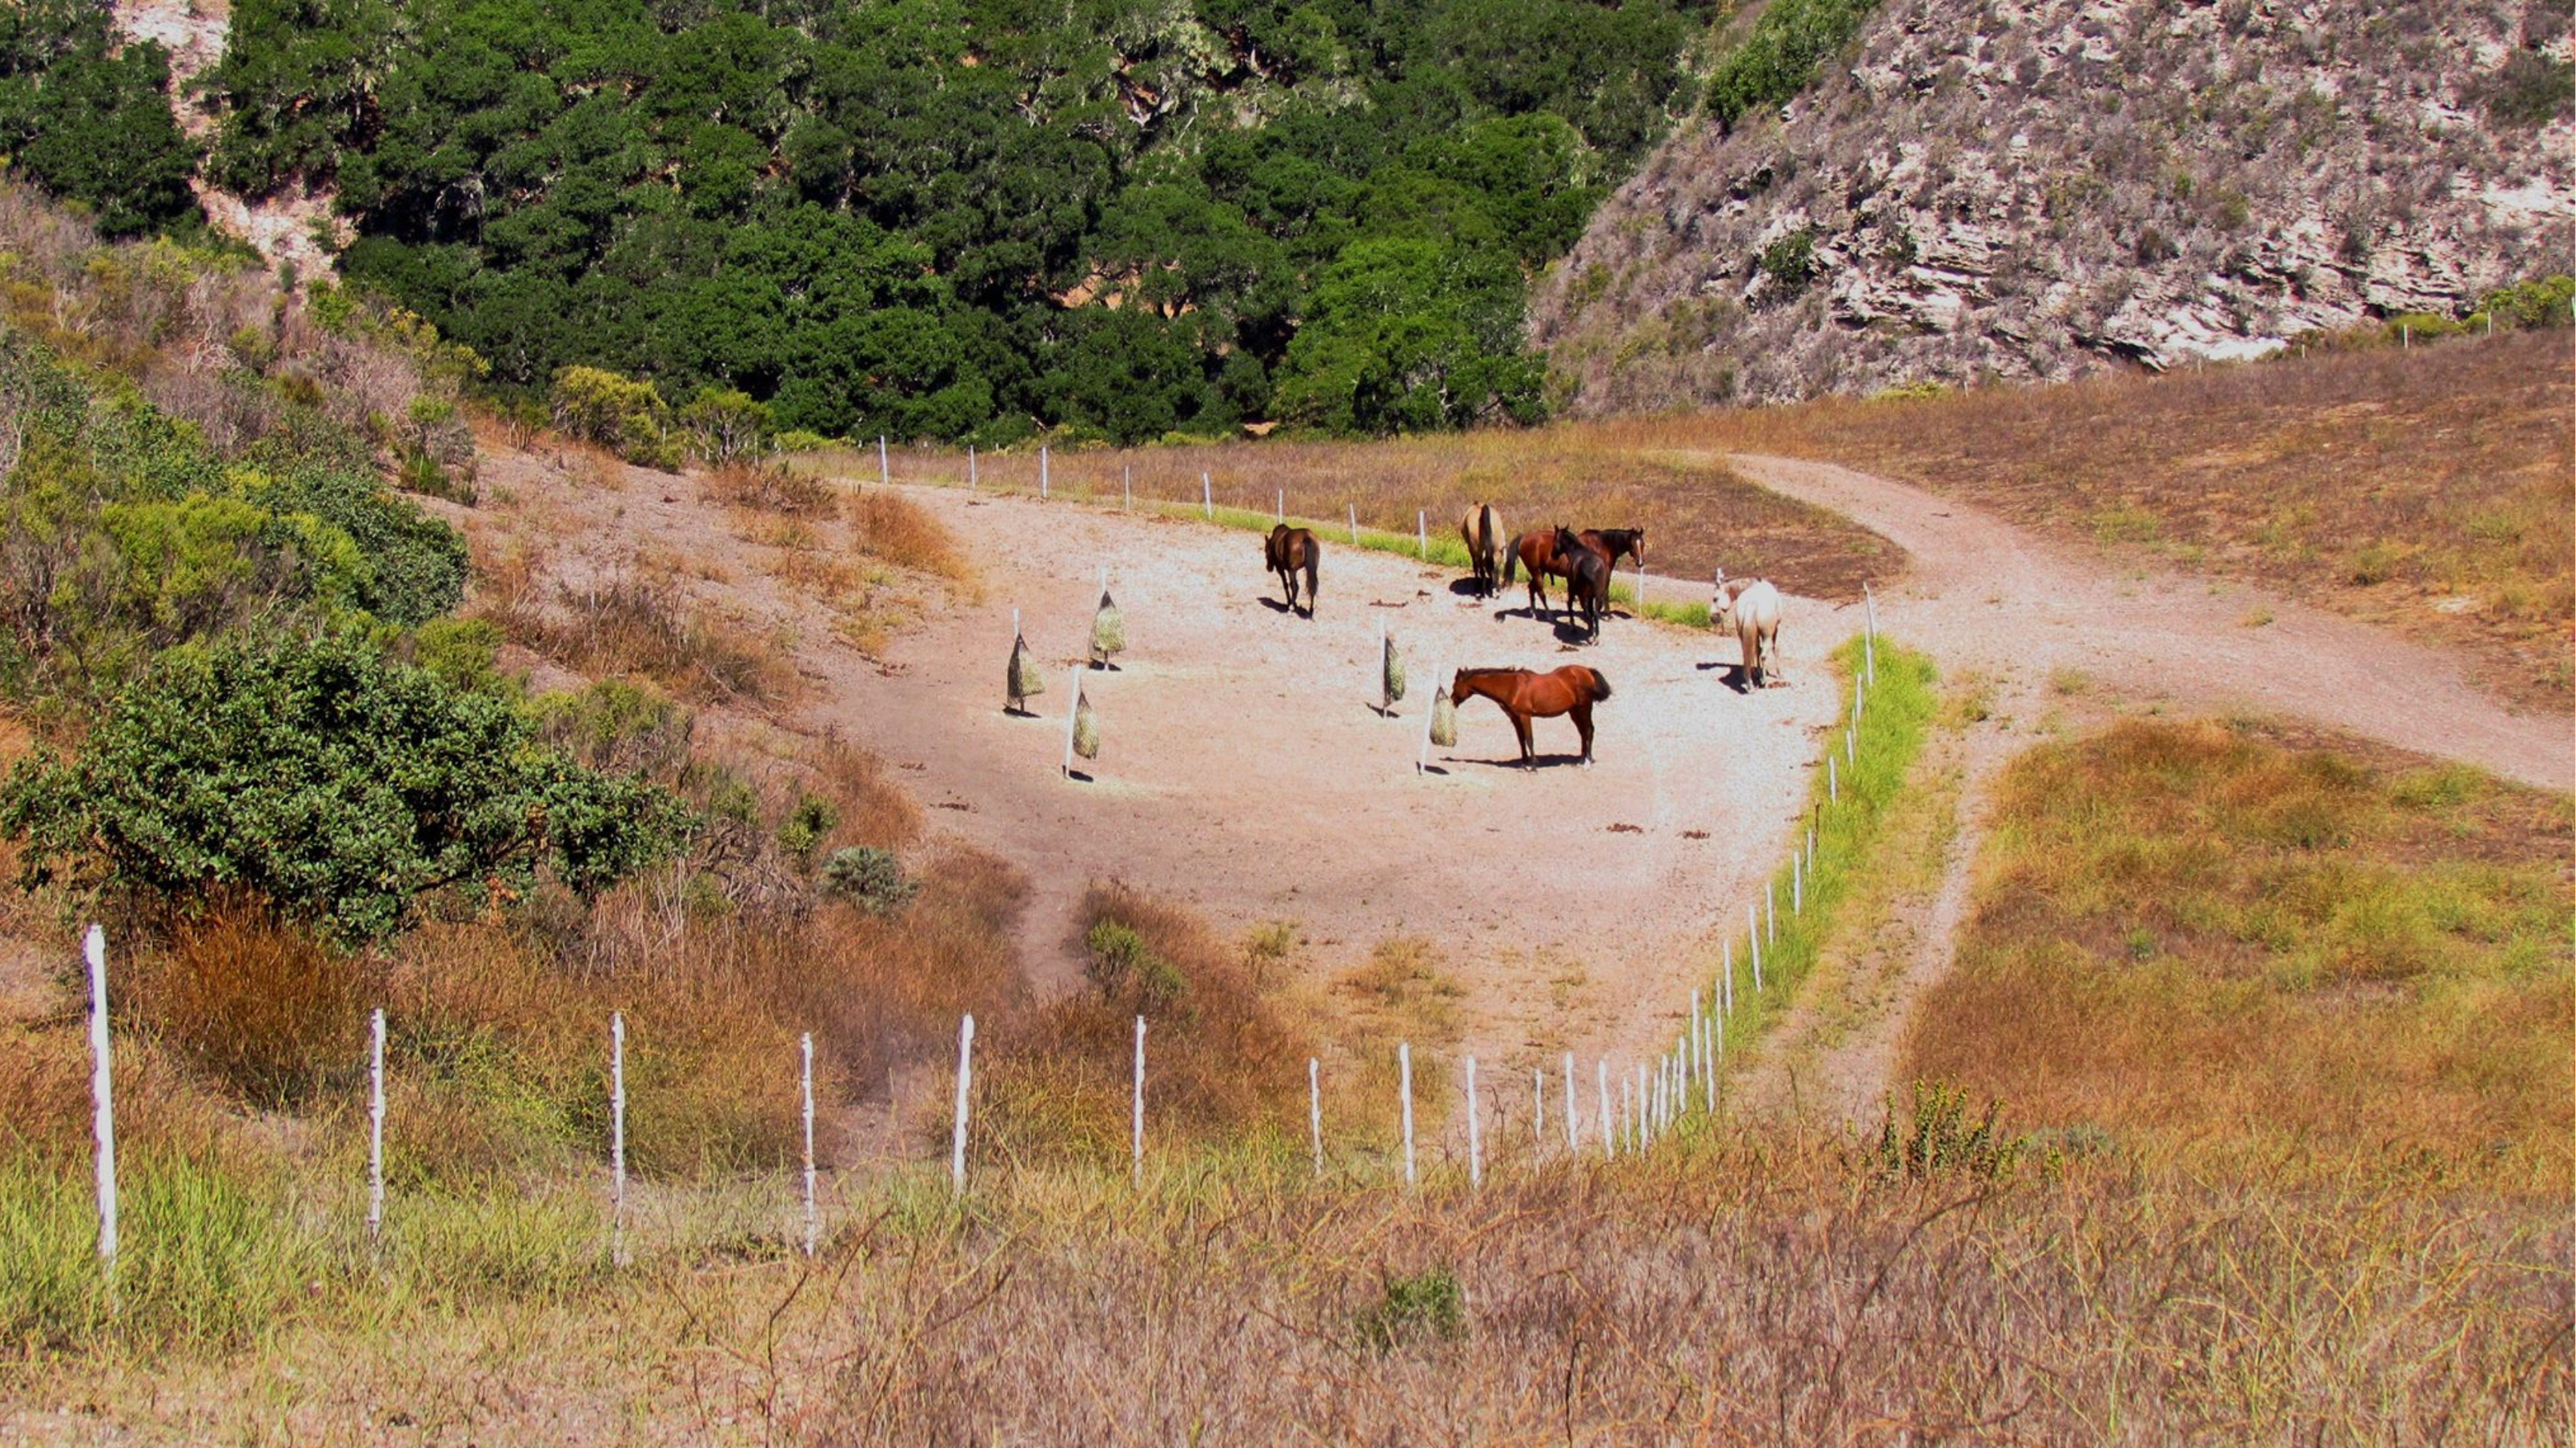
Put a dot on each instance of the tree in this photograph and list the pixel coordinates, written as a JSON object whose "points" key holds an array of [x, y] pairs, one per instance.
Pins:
{"points": [[340, 786], [92, 122], [1408, 335]]}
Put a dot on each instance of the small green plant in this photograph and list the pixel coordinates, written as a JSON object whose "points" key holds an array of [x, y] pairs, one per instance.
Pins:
{"points": [[1430, 1305], [1123, 964], [1791, 261], [802, 832], [1939, 1138], [869, 877]]}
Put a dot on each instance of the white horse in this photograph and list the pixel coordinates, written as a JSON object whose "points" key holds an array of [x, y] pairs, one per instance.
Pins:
{"points": [[1751, 608]]}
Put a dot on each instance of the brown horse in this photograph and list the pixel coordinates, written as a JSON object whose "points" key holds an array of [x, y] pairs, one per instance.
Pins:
{"points": [[1482, 531], [1587, 580], [1289, 550], [1524, 696], [1536, 551], [1613, 543]]}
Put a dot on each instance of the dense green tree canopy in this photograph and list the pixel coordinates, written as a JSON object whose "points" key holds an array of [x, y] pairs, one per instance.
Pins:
{"points": [[91, 121], [962, 218]]}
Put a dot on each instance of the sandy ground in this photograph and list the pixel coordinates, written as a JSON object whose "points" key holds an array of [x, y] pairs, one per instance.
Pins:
{"points": [[1245, 769]]}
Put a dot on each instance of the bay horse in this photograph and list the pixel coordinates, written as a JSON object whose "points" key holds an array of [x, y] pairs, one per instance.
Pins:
{"points": [[1289, 550], [1524, 696], [1587, 580], [1536, 551], [1482, 531], [1750, 607], [1615, 543]]}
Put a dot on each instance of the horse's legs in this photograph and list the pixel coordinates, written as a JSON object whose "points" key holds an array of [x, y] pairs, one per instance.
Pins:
{"points": [[1521, 727], [1583, 725]]}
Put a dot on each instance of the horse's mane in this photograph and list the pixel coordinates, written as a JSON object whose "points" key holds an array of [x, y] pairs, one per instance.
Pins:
{"points": [[1489, 669]]}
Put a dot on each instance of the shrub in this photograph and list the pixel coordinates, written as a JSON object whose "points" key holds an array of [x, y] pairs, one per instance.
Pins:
{"points": [[807, 822], [769, 489], [263, 1007], [1123, 966], [869, 877], [1938, 1139], [1779, 56], [723, 425], [1430, 1304], [899, 531], [597, 405], [2530, 89], [1791, 261], [334, 783], [2540, 302]]}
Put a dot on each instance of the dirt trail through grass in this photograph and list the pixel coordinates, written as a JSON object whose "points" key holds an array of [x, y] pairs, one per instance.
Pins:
{"points": [[1985, 593]]}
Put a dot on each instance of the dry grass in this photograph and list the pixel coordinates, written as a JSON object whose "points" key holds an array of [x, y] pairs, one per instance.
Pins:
{"points": [[637, 623], [901, 533], [765, 488], [2387, 484], [2267, 956], [253, 1002]]}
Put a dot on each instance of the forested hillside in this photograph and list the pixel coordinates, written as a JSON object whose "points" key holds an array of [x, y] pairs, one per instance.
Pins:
{"points": [[971, 218]]}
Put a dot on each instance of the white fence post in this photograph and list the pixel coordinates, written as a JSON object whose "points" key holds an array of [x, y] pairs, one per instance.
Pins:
{"points": [[1833, 779], [1609, 1137], [1538, 1107], [1404, 1086], [1355, 524], [1207, 497], [1771, 910], [102, 1103], [813, 1213], [1127, 485], [1726, 982], [376, 1125], [971, 480], [885, 473], [1797, 882], [1042, 472], [1137, 1129], [965, 1081], [1754, 925], [1315, 1110], [1283, 505], [617, 1136], [1475, 1130], [1421, 534], [1869, 635]]}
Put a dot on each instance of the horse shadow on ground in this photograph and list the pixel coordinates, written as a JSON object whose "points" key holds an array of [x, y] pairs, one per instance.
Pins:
{"points": [[1738, 677], [1466, 588], [1542, 761], [1275, 606]]}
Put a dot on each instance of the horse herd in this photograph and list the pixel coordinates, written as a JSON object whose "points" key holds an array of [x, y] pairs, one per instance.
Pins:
{"points": [[1586, 560]]}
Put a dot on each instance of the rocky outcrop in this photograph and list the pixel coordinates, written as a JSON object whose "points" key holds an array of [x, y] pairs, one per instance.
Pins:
{"points": [[2038, 190]]}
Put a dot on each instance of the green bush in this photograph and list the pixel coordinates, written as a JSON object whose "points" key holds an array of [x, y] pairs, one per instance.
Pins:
{"points": [[1429, 1304], [1778, 58], [338, 785], [1940, 1138], [1791, 261], [802, 832], [723, 425], [2540, 302], [619, 413], [1123, 966], [870, 877]]}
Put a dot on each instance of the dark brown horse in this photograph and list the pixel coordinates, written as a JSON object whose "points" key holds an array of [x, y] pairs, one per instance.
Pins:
{"points": [[1482, 531], [1587, 580], [1615, 543], [1289, 550], [1524, 696], [1536, 552]]}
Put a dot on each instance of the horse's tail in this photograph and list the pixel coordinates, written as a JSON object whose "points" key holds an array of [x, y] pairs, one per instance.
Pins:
{"points": [[1511, 564], [1314, 556], [1600, 686]]}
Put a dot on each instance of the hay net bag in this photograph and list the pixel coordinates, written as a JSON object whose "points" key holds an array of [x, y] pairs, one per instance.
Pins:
{"points": [[1394, 668], [1025, 680], [1086, 727], [1108, 629], [1444, 721]]}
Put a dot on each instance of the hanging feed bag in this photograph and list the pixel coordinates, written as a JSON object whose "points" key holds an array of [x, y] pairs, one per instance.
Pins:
{"points": [[1086, 728], [1394, 671], [1444, 721], [1024, 682], [1108, 630]]}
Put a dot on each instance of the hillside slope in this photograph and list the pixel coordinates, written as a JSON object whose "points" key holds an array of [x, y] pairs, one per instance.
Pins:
{"points": [[2035, 191]]}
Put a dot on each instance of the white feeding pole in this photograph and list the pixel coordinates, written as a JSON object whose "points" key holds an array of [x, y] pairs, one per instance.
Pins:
{"points": [[1207, 497], [102, 1102], [885, 473], [813, 1213], [1475, 1136], [1608, 1124], [1573, 1106], [376, 1125], [1430, 709], [1137, 1125], [617, 1136], [965, 1082], [1404, 1086], [1315, 1110], [1072, 717]]}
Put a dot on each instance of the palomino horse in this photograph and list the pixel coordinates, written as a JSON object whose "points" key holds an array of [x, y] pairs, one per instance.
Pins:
{"points": [[1587, 580], [1751, 608], [1524, 696], [1289, 550], [1482, 531]]}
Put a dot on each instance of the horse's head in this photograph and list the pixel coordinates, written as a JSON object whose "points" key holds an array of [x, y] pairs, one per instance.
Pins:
{"points": [[1721, 604], [1637, 547]]}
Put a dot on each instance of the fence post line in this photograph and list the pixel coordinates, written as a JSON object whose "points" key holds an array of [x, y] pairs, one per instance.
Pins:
{"points": [[885, 472], [1137, 1129], [376, 1125], [1207, 496], [813, 1212], [1042, 472], [1315, 1110], [1609, 1140], [617, 1136], [965, 1081], [1475, 1132], [1404, 1088], [102, 1104]]}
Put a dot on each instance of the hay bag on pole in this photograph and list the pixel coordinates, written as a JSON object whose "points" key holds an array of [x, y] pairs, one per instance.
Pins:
{"points": [[1024, 681], [1390, 670], [1086, 727], [1444, 721], [1108, 630]]}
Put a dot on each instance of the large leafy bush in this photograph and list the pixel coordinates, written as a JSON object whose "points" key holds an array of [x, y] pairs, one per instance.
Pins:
{"points": [[337, 784]]}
